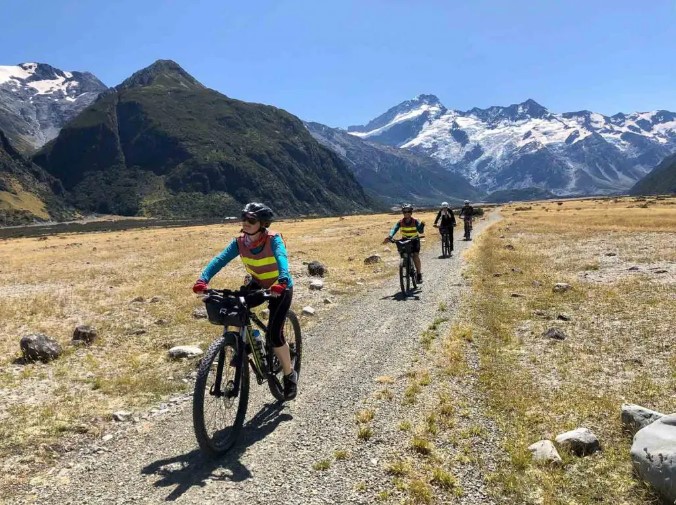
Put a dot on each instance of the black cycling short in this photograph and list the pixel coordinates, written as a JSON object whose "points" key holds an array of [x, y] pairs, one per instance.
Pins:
{"points": [[416, 245]]}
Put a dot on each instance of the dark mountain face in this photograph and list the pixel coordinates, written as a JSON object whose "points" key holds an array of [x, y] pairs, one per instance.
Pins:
{"points": [[37, 100], [162, 144], [660, 181], [391, 174], [27, 193]]}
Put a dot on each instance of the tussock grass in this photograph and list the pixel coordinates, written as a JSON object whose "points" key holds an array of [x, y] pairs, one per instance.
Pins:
{"points": [[340, 454], [365, 416], [364, 432], [615, 351], [322, 465]]}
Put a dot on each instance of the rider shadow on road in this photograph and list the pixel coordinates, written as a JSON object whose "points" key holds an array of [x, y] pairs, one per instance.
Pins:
{"points": [[401, 297], [193, 468]]}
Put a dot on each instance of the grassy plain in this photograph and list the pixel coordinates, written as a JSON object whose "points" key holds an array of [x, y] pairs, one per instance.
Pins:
{"points": [[51, 285], [619, 256]]}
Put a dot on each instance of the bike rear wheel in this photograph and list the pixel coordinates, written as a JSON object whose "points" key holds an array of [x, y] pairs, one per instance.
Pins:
{"points": [[218, 415], [445, 245], [293, 337]]}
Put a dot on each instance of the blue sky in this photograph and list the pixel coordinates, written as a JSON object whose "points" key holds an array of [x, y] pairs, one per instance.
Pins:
{"points": [[345, 62]]}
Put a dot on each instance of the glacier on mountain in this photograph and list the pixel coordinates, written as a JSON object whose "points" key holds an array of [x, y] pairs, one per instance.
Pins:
{"points": [[526, 145], [37, 100]]}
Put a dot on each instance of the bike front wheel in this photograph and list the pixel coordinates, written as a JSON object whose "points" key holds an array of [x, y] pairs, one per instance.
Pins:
{"points": [[412, 275], [403, 275], [218, 409], [293, 337]]}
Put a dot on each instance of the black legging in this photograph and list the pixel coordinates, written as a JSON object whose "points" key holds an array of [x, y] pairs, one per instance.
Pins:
{"points": [[279, 307]]}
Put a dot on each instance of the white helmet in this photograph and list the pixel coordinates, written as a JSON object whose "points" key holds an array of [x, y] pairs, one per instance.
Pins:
{"points": [[444, 205], [466, 202]]}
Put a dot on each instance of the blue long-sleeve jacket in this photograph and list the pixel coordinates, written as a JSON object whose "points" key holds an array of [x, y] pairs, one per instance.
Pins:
{"points": [[232, 251]]}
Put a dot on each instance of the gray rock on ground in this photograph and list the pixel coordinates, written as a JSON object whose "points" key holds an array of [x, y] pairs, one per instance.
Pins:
{"points": [[122, 416], [309, 311], [85, 334], [39, 347], [372, 260], [316, 285], [653, 455], [200, 313], [561, 287], [316, 268], [581, 441], [544, 451], [184, 351], [635, 417], [554, 333]]}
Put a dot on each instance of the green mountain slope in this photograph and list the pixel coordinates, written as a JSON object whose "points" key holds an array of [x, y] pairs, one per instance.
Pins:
{"points": [[661, 180], [162, 144], [27, 193]]}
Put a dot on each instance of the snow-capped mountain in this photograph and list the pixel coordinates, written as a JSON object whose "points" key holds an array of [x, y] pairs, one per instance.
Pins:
{"points": [[37, 100], [525, 145]]}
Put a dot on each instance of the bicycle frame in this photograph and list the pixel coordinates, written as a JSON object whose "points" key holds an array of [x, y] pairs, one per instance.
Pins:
{"points": [[245, 337]]}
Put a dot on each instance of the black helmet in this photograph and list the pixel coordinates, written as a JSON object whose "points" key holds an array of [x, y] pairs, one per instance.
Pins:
{"points": [[260, 211], [407, 207]]}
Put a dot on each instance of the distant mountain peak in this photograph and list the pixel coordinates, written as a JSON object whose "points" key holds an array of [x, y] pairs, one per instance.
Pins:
{"points": [[163, 73], [423, 107], [517, 111], [427, 98]]}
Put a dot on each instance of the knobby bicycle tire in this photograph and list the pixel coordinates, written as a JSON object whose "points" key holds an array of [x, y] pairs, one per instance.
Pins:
{"points": [[403, 275], [223, 437], [296, 349]]}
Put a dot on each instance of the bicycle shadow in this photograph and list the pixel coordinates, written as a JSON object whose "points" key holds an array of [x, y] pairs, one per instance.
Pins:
{"points": [[193, 468], [402, 297]]}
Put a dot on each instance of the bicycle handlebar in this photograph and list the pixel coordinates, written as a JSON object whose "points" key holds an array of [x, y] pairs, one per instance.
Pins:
{"points": [[237, 293]]}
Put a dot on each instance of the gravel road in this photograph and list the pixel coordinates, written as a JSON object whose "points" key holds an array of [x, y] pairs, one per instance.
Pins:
{"points": [[377, 334]]}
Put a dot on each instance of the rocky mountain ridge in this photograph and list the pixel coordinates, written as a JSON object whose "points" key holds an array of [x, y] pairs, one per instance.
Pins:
{"points": [[525, 145], [37, 100], [394, 175]]}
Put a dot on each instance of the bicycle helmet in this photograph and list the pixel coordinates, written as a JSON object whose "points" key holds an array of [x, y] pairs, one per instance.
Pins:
{"points": [[407, 207], [466, 202], [444, 205], [260, 211]]}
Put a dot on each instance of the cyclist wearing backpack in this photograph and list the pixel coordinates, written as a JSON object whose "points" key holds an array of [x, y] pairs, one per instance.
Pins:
{"points": [[446, 221], [411, 229], [263, 253], [466, 214]]}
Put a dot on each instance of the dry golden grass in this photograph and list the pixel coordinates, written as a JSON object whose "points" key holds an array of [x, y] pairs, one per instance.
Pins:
{"points": [[618, 256], [52, 285], [23, 200]]}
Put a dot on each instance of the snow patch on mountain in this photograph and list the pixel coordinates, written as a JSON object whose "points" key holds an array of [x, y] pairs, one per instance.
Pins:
{"points": [[36, 100], [524, 145]]}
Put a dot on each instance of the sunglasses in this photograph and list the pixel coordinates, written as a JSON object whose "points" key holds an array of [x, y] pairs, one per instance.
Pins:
{"points": [[408, 212], [250, 220]]}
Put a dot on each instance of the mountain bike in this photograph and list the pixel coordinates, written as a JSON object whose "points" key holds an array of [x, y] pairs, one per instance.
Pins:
{"points": [[446, 242], [407, 273], [221, 393], [468, 226]]}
